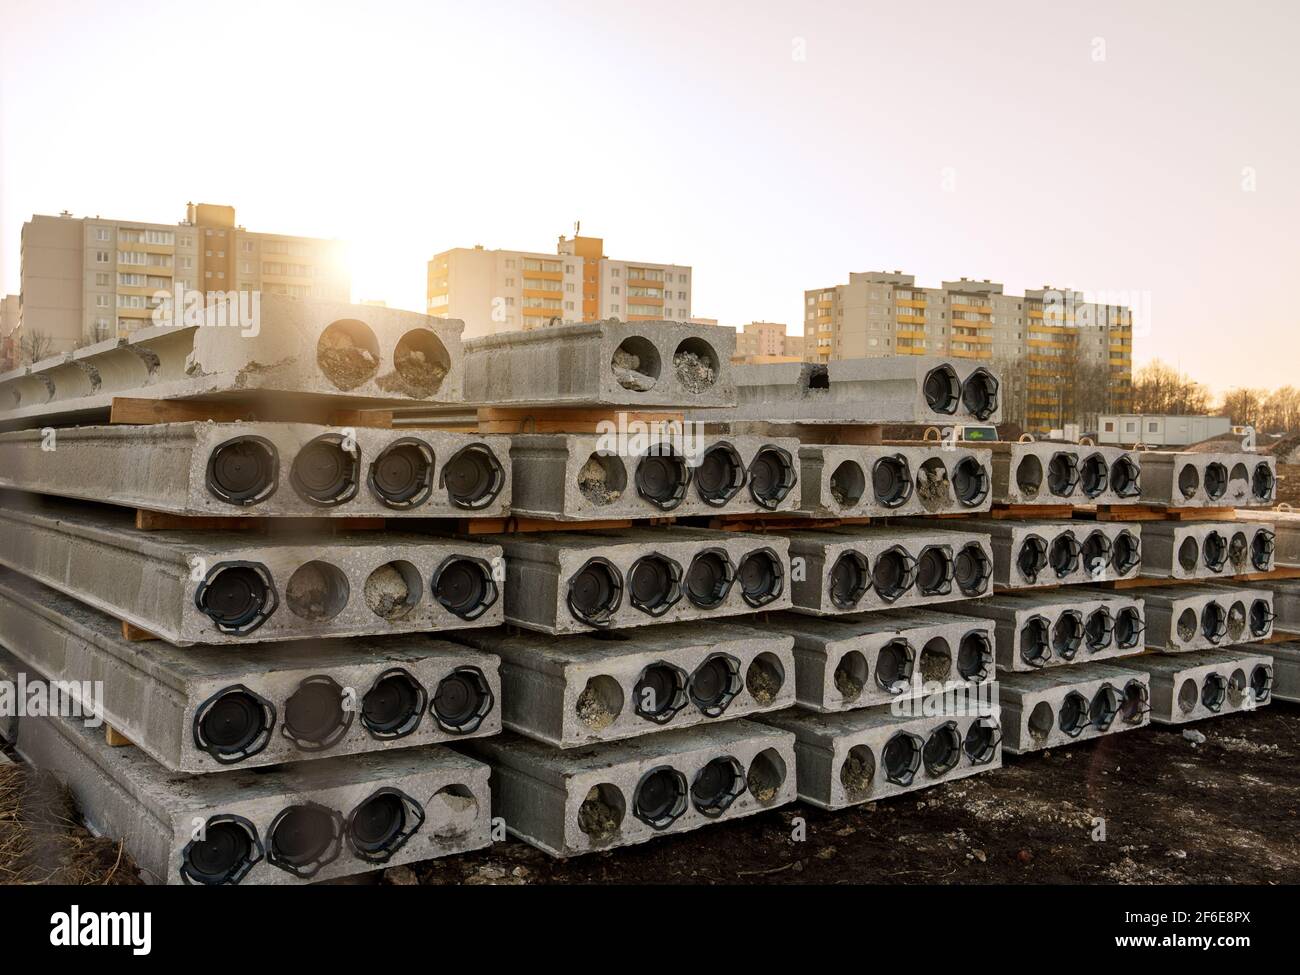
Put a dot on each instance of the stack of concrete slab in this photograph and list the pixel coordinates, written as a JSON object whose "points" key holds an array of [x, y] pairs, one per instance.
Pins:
{"points": [[1286, 526], [1044, 473], [230, 654], [1227, 479]]}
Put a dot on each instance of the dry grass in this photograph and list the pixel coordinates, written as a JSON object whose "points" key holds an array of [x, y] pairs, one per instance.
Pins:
{"points": [[43, 842]]}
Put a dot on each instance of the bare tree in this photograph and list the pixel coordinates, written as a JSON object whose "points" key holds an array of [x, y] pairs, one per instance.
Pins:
{"points": [[1161, 389], [35, 346]]}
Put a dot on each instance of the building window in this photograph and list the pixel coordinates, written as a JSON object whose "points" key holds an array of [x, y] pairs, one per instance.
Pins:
{"points": [[101, 257], [101, 233]]}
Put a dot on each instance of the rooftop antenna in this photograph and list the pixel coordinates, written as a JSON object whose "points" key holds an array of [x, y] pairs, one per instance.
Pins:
{"points": [[577, 226]]}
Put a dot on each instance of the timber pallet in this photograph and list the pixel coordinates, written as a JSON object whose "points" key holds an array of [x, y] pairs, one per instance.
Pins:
{"points": [[1154, 512], [126, 409], [560, 419], [777, 522], [1143, 582]]}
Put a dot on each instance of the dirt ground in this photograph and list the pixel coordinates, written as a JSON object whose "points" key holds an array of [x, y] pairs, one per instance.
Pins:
{"points": [[1175, 812]]}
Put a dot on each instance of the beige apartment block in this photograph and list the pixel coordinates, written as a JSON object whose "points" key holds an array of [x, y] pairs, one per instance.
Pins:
{"points": [[1068, 348], [759, 342], [87, 279], [507, 290]]}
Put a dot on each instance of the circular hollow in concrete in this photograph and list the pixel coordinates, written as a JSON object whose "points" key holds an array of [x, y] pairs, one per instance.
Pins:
{"points": [[1136, 696], [600, 703], [1128, 627], [1074, 714], [393, 589], [1215, 551], [891, 480], [696, 365], [1214, 621], [347, 353], [933, 488], [942, 389], [1032, 557], [1261, 683], [902, 757], [979, 393], [1041, 721], [654, 584], [942, 749], [762, 577], [1099, 629], [1097, 552], [660, 692], [709, 578], [452, 810], [1035, 641], [1125, 478], [660, 797], [894, 665], [1189, 552], [601, 813], [1067, 634], [720, 474], [970, 481], [764, 678], [717, 785], [1187, 622], [326, 471], [974, 656], [1214, 691], [1062, 474], [1188, 695], [421, 362], [1216, 480], [1239, 482], [935, 570], [848, 484], [1236, 620], [1262, 483], [602, 479], [1094, 475], [1261, 618], [317, 591], [851, 675], [1237, 687], [1189, 480], [850, 580], [858, 773], [936, 660], [715, 683], [766, 775], [982, 741], [972, 569], [636, 364], [243, 470], [1064, 555], [1127, 553], [402, 475], [1029, 476]]}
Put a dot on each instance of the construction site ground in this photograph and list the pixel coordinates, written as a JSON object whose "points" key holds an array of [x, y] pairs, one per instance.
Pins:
{"points": [[1174, 811]]}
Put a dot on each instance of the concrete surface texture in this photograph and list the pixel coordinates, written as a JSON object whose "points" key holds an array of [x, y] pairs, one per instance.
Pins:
{"points": [[1286, 526], [618, 794], [609, 363], [859, 756], [299, 823], [233, 587], [1034, 630], [1034, 553], [856, 569], [575, 477], [1206, 549], [1184, 618], [265, 469], [862, 481], [578, 690], [341, 354], [844, 663], [204, 709], [1073, 704], [1286, 603], [1208, 480], [1040, 473], [577, 582], [1286, 671], [1190, 686], [898, 389]]}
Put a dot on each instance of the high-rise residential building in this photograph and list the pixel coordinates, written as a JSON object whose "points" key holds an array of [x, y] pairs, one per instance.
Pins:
{"points": [[1068, 357], [506, 290], [767, 342], [9, 332], [86, 279]]}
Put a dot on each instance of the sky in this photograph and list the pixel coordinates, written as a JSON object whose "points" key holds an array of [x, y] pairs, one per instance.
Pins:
{"points": [[1141, 152]]}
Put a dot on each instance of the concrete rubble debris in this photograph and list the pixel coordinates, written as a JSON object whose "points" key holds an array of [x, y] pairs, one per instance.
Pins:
{"points": [[1206, 549], [1045, 473], [577, 582], [898, 389], [1037, 553], [337, 354], [1065, 627], [844, 663], [1185, 618], [859, 756], [222, 587], [577, 690], [1190, 479], [204, 709], [856, 569], [572, 477], [300, 823], [860, 481], [616, 794], [609, 363], [1191, 686], [1072, 704], [265, 469]]}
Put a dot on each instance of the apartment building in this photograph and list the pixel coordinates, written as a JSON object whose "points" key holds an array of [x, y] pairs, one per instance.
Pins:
{"points": [[507, 290], [10, 334], [1063, 355], [87, 279], [767, 342]]}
